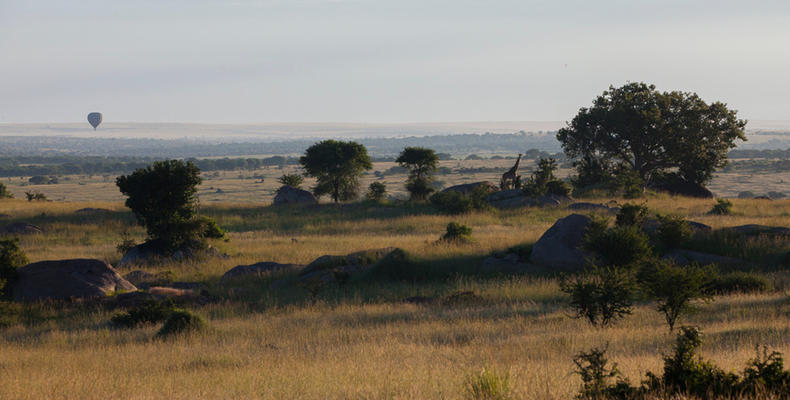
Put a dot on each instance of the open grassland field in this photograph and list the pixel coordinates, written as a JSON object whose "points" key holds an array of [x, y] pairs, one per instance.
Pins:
{"points": [[247, 186], [358, 341]]}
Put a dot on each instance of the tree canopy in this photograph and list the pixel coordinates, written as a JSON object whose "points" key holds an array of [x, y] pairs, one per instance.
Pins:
{"points": [[652, 133], [421, 163], [337, 166]]}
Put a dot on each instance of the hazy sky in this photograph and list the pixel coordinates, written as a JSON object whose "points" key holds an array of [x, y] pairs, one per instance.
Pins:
{"points": [[252, 61]]}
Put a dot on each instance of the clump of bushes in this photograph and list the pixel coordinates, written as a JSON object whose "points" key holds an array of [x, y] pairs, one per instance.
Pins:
{"points": [[602, 296], [35, 196], [722, 207], [5, 193], [150, 312], [11, 258], [452, 202], [543, 182], [619, 245], [292, 180], [737, 282], [457, 233], [631, 215], [376, 192], [675, 288], [685, 373], [488, 384], [181, 322], [673, 231]]}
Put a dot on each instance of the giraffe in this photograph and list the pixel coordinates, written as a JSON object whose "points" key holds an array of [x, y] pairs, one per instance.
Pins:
{"points": [[510, 177]]}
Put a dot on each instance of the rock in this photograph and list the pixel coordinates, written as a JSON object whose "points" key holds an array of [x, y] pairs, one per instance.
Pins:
{"points": [[128, 300], [21, 228], [256, 269], [468, 188], [291, 195], [650, 226], [359, 258], [514, 198], [762, 198], [510, 263], [144, 280], [756, 230], [153, 251], [559, 246], [65, 279], [685, 257], [582, 206]]}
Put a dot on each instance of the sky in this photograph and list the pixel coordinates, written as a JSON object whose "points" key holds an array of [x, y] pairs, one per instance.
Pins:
{"points": [[258, 61]]}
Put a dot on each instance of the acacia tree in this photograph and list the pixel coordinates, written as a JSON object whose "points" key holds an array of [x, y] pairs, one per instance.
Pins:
{"points": [[337, 166], [651, 133], [421, 163]]}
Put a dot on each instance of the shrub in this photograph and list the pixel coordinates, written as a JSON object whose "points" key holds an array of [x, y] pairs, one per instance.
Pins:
{"points": [[421, 163], [292, 180], [543, 182], [376, 192], [150, 312], [35, 196], [592, 367], [181, 322], [457, 233], [722, 207], [626, 181], [4, 193], [452, 202], [618, 246], [737, 282], [765, 374], [488, 384], [602, 295], [11, 258], [631, 215], [210, 229], [673, 231], [673, 287], [127, 243]]}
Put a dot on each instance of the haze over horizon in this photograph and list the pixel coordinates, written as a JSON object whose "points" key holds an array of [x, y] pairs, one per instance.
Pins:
{"points": [[357, 61]]}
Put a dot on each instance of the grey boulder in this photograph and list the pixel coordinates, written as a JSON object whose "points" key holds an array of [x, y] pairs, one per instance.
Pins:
{"points": [[559, 247], [256, 269], [291, 195], [66, 279]]}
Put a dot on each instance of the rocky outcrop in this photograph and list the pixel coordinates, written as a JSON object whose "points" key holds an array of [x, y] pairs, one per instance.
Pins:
{"points": [[583, 206], [504, 263], [329, 269], [21, 228], [559, 247], [154, 251], [256, 269], [514, 198], [67, 279], [288, 195], [468, 188]]}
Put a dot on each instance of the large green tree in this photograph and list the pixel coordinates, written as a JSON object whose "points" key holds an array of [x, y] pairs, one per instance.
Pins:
{"points": [[651, 133], [337, 166], [163, 197], [421, 163]]}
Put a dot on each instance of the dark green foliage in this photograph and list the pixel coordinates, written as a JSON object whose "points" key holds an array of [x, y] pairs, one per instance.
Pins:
{"points": [[601, 295], [457, 233], [150, 312], [673, 231], [675, 287], [181, 322], [376, 192], [765, 374], [337, 166], [686, 372], [596, 373], [38, 180], [722, 207], [4, 193], [631, 215], [421, 163], [651, 132], [737, 282], [292, 180], [619, 245], [163, 198], [210, 229], [35, 196], [626, 182], [11, 258], [452, 202], [543, 182]]}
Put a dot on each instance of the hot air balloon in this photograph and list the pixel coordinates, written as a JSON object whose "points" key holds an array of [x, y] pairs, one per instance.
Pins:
{"points": [[95, 119]]}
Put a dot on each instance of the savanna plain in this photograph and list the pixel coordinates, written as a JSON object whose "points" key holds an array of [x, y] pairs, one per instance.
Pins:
{"points": [[359, 340]]}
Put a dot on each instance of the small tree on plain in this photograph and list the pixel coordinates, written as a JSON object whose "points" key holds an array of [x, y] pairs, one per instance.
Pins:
{"points": [[602, 296], [376, 192], [421, 163], [292, 180], [674, 287], [337, 166]]}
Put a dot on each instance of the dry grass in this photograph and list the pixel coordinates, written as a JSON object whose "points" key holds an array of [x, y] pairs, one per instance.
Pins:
{"points": [[358, 342]]}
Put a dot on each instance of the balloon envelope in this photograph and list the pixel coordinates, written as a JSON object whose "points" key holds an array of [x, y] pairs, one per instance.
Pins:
{"points": [[95, 119]]}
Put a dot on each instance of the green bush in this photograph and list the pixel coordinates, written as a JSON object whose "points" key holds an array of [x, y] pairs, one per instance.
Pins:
{"points": [[376, 192], [150, 312], [35, 196], [722, 207], [292, 180], [737, 282], [457, 233], [674, 287], [619, 246], [593, 367], [543, 182], [673, 231], [765, 374], [488, 384], [601, 295], [11, 258], [631, 215], [181, 322], [452, 202], [210, 228], [4, 193]]}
